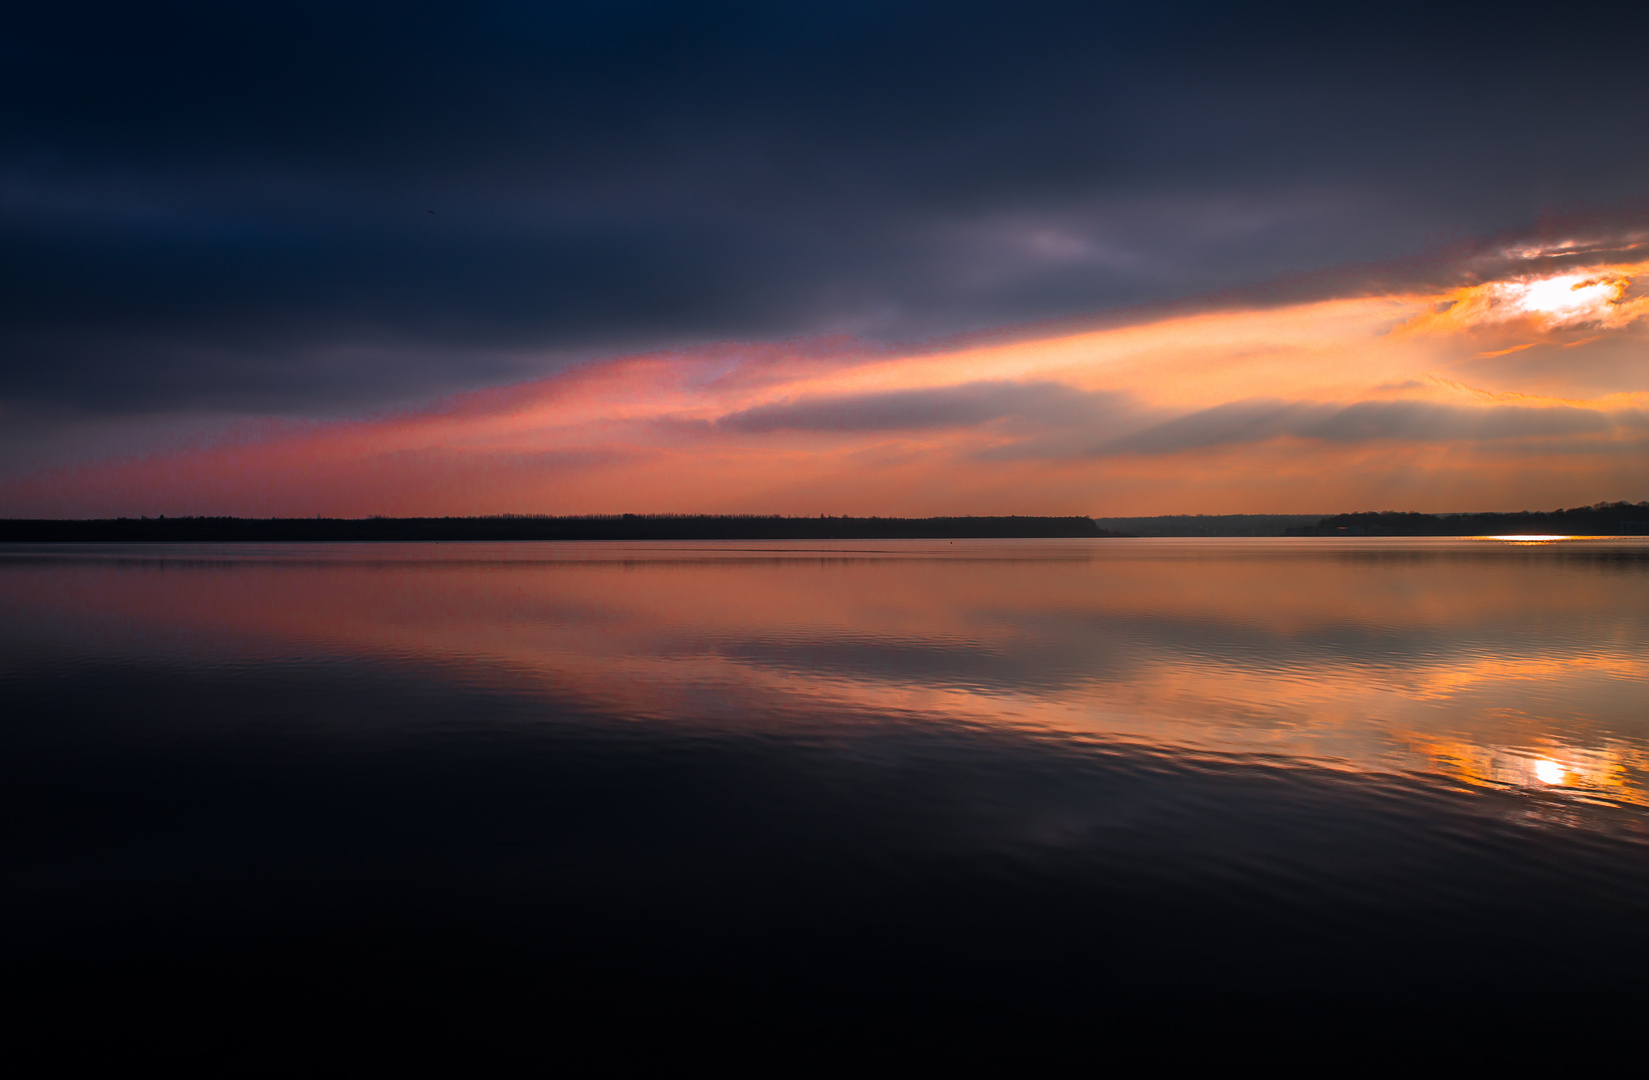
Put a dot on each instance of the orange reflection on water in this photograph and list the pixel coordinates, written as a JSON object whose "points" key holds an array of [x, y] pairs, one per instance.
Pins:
{"points": [[1448, 657], [1613, 772]]}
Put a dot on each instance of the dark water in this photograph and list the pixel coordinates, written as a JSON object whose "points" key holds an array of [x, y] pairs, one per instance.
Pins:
{"points": [[902, 789]]}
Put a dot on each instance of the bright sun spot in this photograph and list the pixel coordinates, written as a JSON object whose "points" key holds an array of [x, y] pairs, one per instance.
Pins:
{"points": [[1534, 538], [1565, 298], [1548, 772]]}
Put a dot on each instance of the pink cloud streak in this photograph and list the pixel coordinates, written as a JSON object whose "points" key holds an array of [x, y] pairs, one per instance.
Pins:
{"points": [[1495, 394]]}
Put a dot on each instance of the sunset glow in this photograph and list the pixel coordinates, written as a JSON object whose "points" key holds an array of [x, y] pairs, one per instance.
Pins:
{"points": [[898, 530], [1336, 404]]}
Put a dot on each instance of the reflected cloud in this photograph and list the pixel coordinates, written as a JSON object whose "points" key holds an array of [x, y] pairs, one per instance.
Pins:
{"points": [[1453, 658]]}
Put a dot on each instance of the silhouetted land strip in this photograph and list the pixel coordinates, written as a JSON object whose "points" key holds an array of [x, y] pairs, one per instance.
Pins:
{"points": [[1206, 524], [1601, 519], [510, 527]]}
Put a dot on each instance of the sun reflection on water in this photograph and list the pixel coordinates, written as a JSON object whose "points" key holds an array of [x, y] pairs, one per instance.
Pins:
{"points": [[1609, 773], [1548, 771]]}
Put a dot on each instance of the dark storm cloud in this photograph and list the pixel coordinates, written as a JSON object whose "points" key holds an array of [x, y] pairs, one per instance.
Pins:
{"points": [[228, 206]]}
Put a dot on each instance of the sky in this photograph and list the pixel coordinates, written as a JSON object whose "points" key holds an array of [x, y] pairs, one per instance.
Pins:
{"points": [[860, 258]]}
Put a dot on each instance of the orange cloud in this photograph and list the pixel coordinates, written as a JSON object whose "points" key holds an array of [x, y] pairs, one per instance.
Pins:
{"points": [[1522, 391]]}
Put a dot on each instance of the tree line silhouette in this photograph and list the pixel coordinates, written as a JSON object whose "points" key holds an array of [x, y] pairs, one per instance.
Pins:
{"points": [[1599, 519], [540, 527]]}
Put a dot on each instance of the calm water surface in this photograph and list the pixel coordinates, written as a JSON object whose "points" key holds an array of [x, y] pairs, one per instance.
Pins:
{"points": [[874, 782]]}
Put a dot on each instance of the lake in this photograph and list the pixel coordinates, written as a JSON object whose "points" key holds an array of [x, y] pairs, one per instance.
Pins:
{"points": [[1070, 786]]}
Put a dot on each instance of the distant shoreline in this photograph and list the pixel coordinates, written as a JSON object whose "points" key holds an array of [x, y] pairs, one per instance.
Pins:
{"points": [[1602, 519], [505, 528]]}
